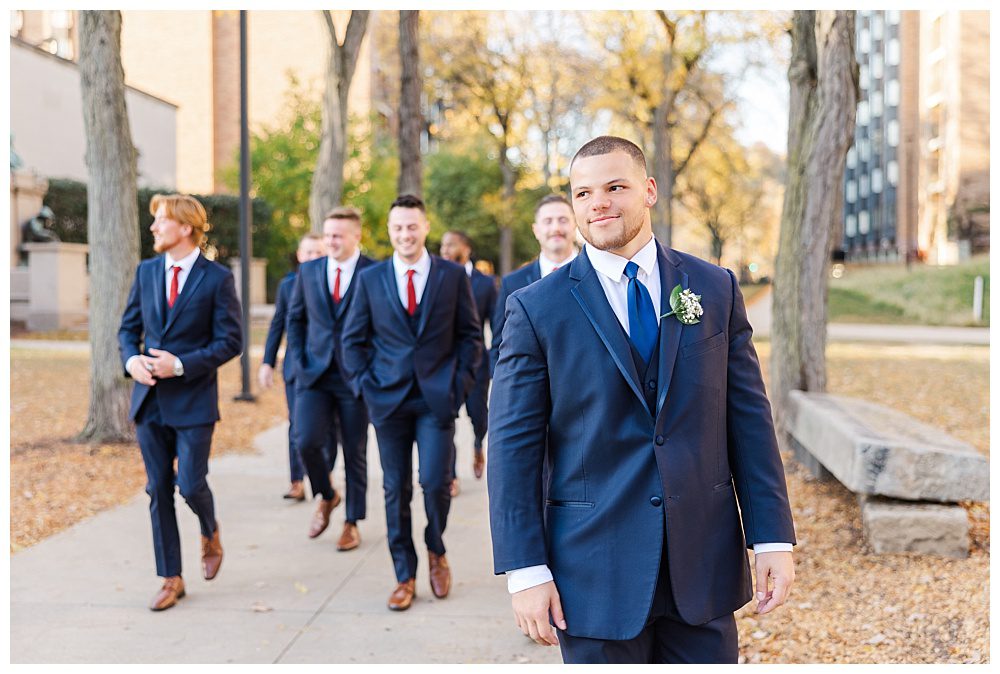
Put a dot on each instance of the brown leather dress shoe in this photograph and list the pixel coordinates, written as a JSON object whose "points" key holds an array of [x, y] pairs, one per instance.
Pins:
{"points": [[350, 538], [440, 574], [478, 463], [403, 595], [211, 554], [454, 489], [297, 492], [321, 518], [172, 590]]}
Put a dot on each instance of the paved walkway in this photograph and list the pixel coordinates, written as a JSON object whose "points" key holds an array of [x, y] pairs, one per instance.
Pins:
{"points": [[759, 315], [81, 595]]}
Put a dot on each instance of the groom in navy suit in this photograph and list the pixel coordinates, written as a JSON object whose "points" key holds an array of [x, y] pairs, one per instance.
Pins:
{"points": [[324, 400], [411, 345], [181, 322], [632, 373]]}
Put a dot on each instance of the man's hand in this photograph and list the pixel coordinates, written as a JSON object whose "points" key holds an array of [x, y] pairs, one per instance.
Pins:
{"points": [[139, 369], [777, 570], [163, 363], [265, 376], [532, 608]]}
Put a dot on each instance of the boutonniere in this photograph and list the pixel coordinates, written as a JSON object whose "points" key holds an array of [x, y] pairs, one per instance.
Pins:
{"points": [[684, 305]]}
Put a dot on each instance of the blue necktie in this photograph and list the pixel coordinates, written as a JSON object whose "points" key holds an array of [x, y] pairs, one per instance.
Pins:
{"points": [[641, 316]]}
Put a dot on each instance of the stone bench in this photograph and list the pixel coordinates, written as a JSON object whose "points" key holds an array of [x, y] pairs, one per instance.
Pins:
{"points": [[908, 475]]}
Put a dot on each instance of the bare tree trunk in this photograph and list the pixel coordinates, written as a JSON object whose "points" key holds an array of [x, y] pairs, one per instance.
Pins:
{"points": [[112, 220], [410, 117], [506, 232], [824, 91], [328, 179], [663, 171]]}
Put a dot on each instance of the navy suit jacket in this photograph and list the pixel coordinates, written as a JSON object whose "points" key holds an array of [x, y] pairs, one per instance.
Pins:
{"points": [[203, 329], [382, 355], [517, 279], [277, 329], [484, 290], [626, 484], [315, 324]]}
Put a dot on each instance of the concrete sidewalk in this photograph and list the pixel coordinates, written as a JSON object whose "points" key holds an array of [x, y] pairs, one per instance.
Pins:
{"points": [[81, 595], [759, 315]]}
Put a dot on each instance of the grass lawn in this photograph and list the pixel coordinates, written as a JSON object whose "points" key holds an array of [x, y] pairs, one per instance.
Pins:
{"points": [[924, 295]]}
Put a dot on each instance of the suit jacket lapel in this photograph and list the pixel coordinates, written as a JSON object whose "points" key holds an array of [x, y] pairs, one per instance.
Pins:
{"points": [[323, 284], [670, 328], [345, 299], [195, 276], [392, 294], [430, 293], [534, 272], [590, 294], [160, 291]]}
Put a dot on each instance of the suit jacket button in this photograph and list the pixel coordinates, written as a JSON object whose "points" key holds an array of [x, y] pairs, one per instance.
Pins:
{"points": [[659, 439], [656, 501]]}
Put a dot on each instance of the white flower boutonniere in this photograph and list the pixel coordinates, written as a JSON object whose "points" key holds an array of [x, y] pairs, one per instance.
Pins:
{"points": [[685, 305]]}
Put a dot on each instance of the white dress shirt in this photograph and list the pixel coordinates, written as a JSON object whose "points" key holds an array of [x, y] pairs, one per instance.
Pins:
{"points": [[469, 268], [185, 263], [346, 268], [611, 274], [547, 266], [422, 267]]}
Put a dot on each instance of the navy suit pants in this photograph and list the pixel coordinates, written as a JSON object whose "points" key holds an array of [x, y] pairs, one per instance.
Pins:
{"points": [[160, 444], [320, 411], [476, 406], [664, 639], [414, 422], [295, 464]]}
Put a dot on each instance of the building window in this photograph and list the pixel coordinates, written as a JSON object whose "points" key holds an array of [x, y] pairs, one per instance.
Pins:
{"points": [[892, 173], [863, 222], [892, 52], [851, 192], [863, 113], [892, 133], [877, 26], [850, 226], [864, 76], [876, 104], [864, 150], [864, 187], [892, 93], [892, 17], [852, 157], [876, 66], [877, 181], [864, 41]]}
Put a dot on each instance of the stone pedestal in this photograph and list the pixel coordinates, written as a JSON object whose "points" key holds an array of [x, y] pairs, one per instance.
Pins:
{"points": [[26, 193], [899, 526], [258, 279], [58, 283]]}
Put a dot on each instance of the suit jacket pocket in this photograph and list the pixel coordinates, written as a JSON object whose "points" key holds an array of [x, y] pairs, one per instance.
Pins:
{"points": [[568, 504], [704, 345]]}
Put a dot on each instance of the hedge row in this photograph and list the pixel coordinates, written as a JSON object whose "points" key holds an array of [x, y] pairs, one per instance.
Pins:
{"points": [[68, 201]]}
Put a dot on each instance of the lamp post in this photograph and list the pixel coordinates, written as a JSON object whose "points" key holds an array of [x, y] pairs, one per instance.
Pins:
{"points": [[246, 215]]}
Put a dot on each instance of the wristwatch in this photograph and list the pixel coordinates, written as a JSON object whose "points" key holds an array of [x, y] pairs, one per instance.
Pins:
{"points": [[178, 368]]}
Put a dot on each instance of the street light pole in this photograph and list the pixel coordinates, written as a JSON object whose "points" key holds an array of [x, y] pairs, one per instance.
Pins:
{"points": [[246, 216]]}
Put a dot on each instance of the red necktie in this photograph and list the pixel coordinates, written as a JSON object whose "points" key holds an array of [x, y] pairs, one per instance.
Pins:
{"points": [[336, 287], [173, 286], [411, 293]]}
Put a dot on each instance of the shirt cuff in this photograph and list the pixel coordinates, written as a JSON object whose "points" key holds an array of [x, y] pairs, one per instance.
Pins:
{"points": [[771, 547], [128, 364], [529, 576]]}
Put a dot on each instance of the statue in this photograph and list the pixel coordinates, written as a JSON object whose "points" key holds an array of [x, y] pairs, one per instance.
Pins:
{"points": [[35, 230]]}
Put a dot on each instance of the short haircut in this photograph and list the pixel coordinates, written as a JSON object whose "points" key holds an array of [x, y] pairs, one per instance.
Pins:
{"points": [[186, 210], [462, 236], [343, 213], [552, 199], [608, 144], [409, 201], [310, 236]]}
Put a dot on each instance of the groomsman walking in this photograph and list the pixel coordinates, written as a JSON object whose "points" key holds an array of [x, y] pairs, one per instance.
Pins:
{"points": [[181, 322], [457, 247], [411, 345], [324, 290], [555, 229], [310, 248]]}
